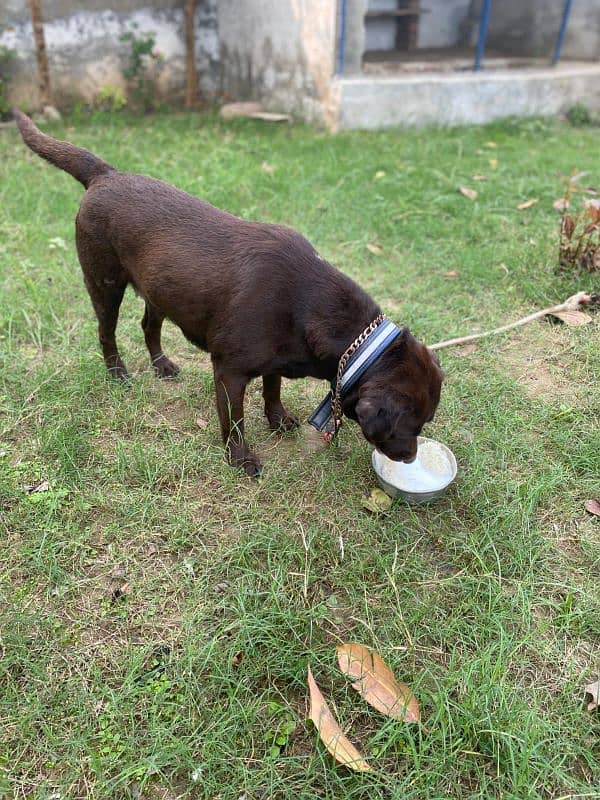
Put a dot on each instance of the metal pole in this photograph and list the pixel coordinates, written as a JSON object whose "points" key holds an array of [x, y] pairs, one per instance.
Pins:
{"points": [[562, 32], [484, 21], [342, 42]]}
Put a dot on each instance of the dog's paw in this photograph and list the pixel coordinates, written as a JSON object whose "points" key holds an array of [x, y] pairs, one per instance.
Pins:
{"points": [[120, 374], [282, 421], [165, 368], [249, 462]]}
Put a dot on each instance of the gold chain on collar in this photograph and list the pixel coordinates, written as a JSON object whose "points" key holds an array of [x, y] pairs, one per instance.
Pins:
{"points": [[336, 405]]}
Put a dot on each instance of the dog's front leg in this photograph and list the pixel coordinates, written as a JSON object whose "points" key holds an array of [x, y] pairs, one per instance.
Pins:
{"points": [[230, 388]]}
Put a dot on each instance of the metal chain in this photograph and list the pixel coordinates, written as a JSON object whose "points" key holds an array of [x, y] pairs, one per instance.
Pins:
{"points": [[336, 405]]}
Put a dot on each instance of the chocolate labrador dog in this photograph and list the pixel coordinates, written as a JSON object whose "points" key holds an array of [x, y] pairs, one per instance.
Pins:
{"points": [[257, 297]]}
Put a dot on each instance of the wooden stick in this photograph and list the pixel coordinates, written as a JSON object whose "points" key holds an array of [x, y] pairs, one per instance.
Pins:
{"points": [[572, 304]]}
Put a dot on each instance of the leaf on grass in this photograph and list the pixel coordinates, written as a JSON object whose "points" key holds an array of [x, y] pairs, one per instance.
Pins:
{"points": [[528, 203], [593, 507], [266, 167], [122, 590], [480, 177], [593, 689], [376, 682], [561, 204], [202, 423], [377, 502], [451, 274], [493, 145], [39, 486], [330, 733], [572, 318], [470, 193], [237, 659], [374, 248], [379, 174], [466, 350], [493, 162]]}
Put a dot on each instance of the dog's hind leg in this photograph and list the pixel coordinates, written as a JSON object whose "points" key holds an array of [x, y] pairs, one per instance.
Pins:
{"points": [[151, 324], [106, 282], [279, 418]]}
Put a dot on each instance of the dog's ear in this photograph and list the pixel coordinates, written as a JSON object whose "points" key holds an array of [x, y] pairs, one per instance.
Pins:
{"points": [[378, 420]]}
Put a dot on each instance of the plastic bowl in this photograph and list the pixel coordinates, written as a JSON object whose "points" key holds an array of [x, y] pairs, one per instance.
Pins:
{"points": [[405, 481]]}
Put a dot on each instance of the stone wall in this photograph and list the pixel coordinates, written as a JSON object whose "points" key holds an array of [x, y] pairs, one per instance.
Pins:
{"points": [[85, 52]]}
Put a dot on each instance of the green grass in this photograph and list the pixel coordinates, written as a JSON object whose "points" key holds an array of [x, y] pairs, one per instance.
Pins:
{"points": [[486, 603]]}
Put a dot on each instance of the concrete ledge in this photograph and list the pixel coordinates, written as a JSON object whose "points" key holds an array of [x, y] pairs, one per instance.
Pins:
{"points": [[465, 98]]}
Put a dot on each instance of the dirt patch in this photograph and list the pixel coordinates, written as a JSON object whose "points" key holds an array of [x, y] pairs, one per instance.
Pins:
{"points": [[542, 362]]}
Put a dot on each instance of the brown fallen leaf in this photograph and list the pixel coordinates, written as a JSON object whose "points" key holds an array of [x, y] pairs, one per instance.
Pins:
{"points": [[561, 204], [466, 350], [528, 203], [593, 507], [376, 682], [493, 162], [451, 274], [593, 689], [470, 193], [572, 318], [374, 248], [330, 733], [237, 659], [39, 486], [120, 591], [202, 423]]}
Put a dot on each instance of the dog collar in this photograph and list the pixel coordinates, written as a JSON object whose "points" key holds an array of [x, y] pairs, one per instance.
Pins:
{"points": [[353, 364]]}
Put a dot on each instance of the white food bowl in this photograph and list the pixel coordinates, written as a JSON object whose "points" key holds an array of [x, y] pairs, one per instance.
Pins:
{"points": [[426, 479]]}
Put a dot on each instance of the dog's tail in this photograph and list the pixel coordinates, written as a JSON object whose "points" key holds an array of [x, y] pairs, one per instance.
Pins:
{"points": [[80, 163]]}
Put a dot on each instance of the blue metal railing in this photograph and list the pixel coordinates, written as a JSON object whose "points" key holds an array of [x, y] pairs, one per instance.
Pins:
{"points": [[342, 42]]}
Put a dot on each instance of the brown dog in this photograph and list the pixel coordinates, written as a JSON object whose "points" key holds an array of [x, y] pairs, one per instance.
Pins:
{"points": [[257, 297]]}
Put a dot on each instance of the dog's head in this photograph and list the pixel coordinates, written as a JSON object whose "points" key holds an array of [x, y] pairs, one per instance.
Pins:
{"points": [[398, 395]]}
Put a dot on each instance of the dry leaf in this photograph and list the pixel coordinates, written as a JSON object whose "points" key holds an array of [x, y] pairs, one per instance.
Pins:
{"points": [[451, 274], [493, 162], [330, 733], [266, 167], [237, 659], [470, 193], [593, 689], [593, 507], [528, 203], [374, 248], [572, 318], [377, 502], [561, 204], [491, 144], [480, 177], [40, 486], [466, 350], [202, 423], [379, 174], [376, 682], [120, 591]]}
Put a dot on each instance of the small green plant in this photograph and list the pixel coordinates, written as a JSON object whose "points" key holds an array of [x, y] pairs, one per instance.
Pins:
{"points": [[283, 726], [580, 115], [110, 98], [143, 56], [6, 57]]}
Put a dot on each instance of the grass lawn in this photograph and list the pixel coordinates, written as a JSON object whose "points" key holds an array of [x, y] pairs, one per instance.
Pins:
{"points": [[487, 603]]}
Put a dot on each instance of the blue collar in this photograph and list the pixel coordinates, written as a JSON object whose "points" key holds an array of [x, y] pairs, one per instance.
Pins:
{"points": [[369, 351]]}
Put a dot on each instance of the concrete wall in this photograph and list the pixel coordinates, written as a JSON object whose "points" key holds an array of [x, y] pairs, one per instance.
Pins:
{"points": [[85, 52], [530, 28], [281, 52]]}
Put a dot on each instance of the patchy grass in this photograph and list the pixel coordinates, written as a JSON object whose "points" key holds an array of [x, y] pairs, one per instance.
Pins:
{"points": [[486, 603]]}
